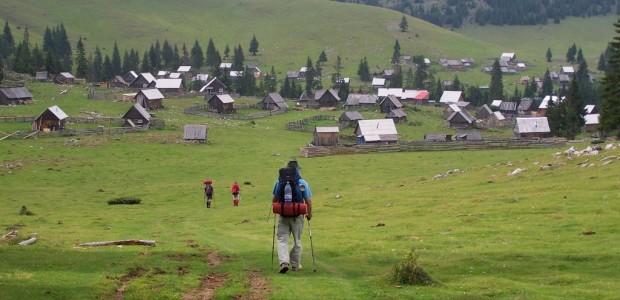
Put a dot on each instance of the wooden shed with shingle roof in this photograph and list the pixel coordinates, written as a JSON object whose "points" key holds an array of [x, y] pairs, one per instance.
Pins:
{"points": [[326, 136], [52, 119], [136, 116], [14, 95], [195, 133]]}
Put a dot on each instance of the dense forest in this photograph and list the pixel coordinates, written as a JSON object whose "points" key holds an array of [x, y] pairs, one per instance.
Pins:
{"points": [[455, 13]]}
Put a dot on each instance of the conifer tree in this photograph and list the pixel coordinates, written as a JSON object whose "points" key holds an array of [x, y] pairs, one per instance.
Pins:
{"points": [[496, 87], [322, 57], [38, 58], [238, 59], [285, 90], [7, 42], [364, 71], [610, 99], [185, 59], [197, 57], [213, 57], [97, 70], [227, 52], [253, 45], [602, 65], [547, 85], [108, 70], [145, 65], [571, 53], [310, 80], [337, 71], [396, 54], [549, 55], [167, 55], [81, 64], [403, 24], [116, 61]]}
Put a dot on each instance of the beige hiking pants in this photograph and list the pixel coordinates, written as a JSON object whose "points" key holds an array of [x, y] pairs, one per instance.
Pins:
{"points": [[286, 226]]}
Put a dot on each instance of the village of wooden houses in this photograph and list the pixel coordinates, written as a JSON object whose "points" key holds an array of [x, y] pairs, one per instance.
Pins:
{"points": [[463, 122]]}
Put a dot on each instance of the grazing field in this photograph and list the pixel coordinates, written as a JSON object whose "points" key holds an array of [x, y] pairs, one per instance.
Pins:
{"points": [[549, 232]]}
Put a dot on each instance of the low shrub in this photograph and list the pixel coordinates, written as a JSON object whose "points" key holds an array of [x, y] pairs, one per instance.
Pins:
{"points": [[409, 271], [124, 200]]}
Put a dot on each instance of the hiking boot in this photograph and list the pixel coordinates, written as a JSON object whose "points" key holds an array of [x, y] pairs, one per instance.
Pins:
{"points": [[283, 268], [296, 268]]}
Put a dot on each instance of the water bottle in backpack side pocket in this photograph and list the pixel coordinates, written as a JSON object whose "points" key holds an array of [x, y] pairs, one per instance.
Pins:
{"points": [[288, 193]]}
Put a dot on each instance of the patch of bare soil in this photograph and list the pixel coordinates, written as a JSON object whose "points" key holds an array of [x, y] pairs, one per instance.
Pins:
{"points": [[207, 289], [258, 288], [124, 280]]}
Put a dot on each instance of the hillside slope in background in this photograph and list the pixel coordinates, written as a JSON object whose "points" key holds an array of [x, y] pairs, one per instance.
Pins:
{"points": [[289, 32]]}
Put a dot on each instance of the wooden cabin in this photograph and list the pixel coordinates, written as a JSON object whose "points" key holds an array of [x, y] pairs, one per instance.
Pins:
{"points": [[389, 103], [376, 131], [273, 101], [397, 114], [222, 103], [195, 133], [326, 136], [65, 78], [136, 116], [532, 127], [149, 99], [14, 95], [52, 119]]}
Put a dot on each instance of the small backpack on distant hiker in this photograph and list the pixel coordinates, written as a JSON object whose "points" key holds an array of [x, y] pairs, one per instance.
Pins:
{"points": [[208, 192], [289, 196]]}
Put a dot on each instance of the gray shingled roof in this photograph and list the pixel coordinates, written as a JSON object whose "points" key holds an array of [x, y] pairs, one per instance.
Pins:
{"points": [[16, 93]]}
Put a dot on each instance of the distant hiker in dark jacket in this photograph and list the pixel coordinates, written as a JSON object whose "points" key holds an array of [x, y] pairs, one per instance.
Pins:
{"points": [[235, 193], [288, 225], [208, 192]]}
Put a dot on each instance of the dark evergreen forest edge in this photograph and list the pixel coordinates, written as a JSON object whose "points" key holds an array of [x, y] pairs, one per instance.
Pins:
{"points": [[456, 13]]}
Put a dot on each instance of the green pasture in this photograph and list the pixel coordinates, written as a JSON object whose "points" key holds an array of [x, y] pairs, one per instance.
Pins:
{"points": [[480, 233]]}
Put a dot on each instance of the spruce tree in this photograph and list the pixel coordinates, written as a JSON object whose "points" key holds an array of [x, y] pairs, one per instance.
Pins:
{"points": [[571, 53], [167, 55], [116, 61], [197, 56], [337, 71], [253, 45], [97, 70], [310, 82], [403, 24], [364, 71], [227, 52], [496, 87], [579, 58], [602, 65], [213, 57], [396, 53], [547, 85], [322, 57], [238, 59], [285, 90], [7, 42], [549, 55], [610, 100], [81, 64], [108, 71], [145, 66], [38, 58]]}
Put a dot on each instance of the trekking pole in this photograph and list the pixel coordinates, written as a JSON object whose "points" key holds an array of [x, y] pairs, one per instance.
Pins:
{"points": [[273, 239], [311, 247]]}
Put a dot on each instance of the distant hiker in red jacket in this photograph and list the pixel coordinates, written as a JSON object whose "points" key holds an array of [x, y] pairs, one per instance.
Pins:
{"points": [[235, 192]]}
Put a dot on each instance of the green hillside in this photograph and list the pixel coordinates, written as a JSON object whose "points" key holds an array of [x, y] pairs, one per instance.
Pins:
{"points": [[290, 31]]}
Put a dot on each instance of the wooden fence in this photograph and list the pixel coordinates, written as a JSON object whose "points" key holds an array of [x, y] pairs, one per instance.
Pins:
{"points": [[304, 124], [503, 144], [205, 110]]}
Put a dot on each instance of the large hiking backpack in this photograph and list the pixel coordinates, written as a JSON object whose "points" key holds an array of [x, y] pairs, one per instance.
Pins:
{"points": [[209, 190], [289, 197]]}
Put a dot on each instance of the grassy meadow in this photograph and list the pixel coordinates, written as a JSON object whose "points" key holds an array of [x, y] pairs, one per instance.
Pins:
{"points": [[479, 233]]}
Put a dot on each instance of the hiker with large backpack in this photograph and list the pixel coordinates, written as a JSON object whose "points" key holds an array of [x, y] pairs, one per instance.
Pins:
{"points": [[208, 192], [292, 201]]}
